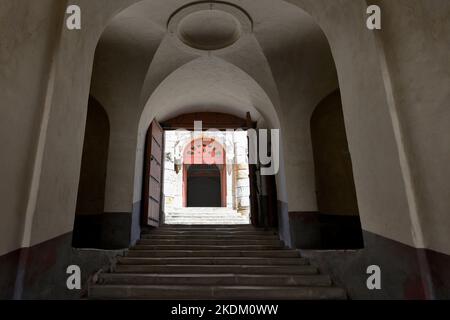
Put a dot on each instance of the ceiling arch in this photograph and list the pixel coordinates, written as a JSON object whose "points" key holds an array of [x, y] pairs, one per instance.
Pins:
{"points": [[209, 84]]}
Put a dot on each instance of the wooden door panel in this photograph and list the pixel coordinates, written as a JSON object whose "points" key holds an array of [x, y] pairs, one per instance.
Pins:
{"points": [[155, 189], [156, 150], [153, 218], [155, 171], [254, 203], [157, 132], [152, 175]]}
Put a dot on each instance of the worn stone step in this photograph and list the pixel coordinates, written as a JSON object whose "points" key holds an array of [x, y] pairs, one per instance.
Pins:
{"points": [[197, 222], [210, 242], [206, 247], [214, 279], [210, 226], [210, 237], [208, 269], [198, 228], [188, 210], [214, 292], [213, 261], [214, 253], [223, 219], [209, 233], [206, 214], [207, 217], [175, 222]]}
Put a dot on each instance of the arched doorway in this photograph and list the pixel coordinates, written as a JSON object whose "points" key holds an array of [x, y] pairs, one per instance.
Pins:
{"points": [[204, 174], [91, 189], [338, 218]]}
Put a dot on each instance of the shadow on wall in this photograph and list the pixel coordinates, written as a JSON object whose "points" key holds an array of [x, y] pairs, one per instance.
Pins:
{"points": [[336, 225], [93, 228]]}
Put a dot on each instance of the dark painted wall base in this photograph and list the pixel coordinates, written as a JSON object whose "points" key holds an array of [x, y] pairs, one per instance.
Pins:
{"points": [[8, 274], [403, 273], [102, 231], [313, 230], [110, 230], [283, 223], [406, 272], [39, 272]]}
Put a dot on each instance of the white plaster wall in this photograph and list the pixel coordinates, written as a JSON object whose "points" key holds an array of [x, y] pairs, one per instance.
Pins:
{"points": [[122, 59], [304, 72], [54, 70], [379, 181], [56, 197], [23, 78], [417, 54]]}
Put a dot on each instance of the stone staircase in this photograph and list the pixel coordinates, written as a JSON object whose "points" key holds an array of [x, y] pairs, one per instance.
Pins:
{"points": [[208, 216], [212, 263]]}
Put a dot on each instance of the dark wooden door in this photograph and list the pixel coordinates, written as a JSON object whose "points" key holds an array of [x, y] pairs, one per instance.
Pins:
{"points": [[272, 201], [252, 168], [153, 175], [204, 186]]}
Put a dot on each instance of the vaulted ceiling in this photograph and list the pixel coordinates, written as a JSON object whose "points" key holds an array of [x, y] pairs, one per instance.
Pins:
{"points": [[236, 57]]}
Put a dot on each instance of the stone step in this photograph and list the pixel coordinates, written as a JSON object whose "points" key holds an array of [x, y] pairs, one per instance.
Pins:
{"points": [[216, 253], [200, 209], [206, 247], [209, 237], [197, 228], [209, 233], [207, 215], [209, 226], [213, 261], [214, 269], [207, 242], [214, 279], [201, 221], [214, 292]]}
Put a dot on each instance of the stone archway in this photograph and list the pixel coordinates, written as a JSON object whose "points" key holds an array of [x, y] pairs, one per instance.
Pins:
{"points": [[204, 158]]}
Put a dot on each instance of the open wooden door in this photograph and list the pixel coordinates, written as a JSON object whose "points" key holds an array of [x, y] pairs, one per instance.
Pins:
{"points": [[272, 201], [153, 175], [254, 203]]}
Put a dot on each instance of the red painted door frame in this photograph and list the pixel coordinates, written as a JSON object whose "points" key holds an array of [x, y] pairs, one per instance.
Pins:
{"points": [[190, 157]]}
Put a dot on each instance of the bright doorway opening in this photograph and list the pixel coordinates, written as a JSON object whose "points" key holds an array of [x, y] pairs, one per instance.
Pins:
{"points": [[206, 178]]}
